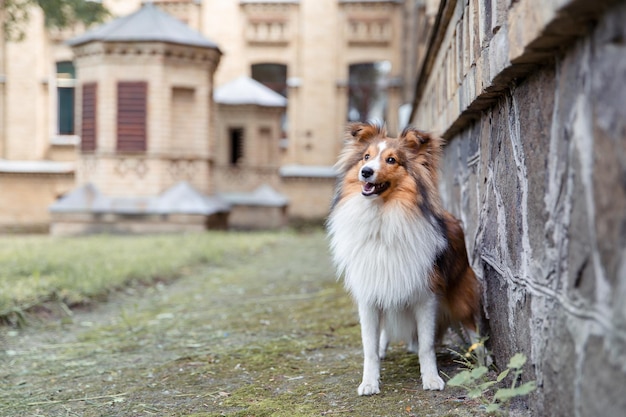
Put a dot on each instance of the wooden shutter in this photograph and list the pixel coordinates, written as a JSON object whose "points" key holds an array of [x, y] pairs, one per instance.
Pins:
{"points": [[88, 138], [131, 116]]}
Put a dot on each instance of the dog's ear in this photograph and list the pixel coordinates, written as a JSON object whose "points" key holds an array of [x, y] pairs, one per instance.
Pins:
{"points": [[426, 145], [419, 141], [363, 132], [414, 138]]}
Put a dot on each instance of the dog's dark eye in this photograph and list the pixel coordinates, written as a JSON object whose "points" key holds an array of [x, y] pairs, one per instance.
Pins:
{"points": [[391, 160], [367, 156]]}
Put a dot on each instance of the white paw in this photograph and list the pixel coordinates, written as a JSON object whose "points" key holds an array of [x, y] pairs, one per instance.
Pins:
{"points": [[368, 388], [432, 382]]}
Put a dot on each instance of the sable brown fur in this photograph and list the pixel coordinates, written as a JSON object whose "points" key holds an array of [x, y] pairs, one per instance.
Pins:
{"points": [[459, 289], [420, 152], [403, 256]]}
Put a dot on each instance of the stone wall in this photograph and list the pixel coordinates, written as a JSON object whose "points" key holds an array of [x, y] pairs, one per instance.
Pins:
{"points": [[535, 167]]}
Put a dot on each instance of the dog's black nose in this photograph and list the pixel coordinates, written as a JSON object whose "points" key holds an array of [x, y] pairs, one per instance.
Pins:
{"points": [[367, 172]]}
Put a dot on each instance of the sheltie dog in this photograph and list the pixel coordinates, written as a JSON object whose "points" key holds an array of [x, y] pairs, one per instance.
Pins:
{"points": [[402, 255]]}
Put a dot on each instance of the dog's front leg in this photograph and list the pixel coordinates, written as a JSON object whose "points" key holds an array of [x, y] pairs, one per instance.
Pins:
{"points": [[370, 332], [426, 319]]}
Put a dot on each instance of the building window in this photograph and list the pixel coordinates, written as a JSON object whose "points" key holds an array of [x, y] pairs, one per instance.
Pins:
{"points": [[266, 148], [184, 121], [132, 116], [367, 91], [273, 76], [88, 140], [236, 146], [65, 81], [269, 23]]}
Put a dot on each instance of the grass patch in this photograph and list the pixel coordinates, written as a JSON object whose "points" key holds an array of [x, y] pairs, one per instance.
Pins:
{"points": [[38, 269], [269, 332]]}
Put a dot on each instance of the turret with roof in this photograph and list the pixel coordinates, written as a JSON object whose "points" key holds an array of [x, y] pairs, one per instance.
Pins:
{"points": [[247, 152], [248, 135], [144, 112], [144, 103], [148, 24]]}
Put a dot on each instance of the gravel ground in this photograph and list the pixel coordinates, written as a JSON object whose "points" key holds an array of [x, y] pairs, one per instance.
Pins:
{"points": [[270, 333]]}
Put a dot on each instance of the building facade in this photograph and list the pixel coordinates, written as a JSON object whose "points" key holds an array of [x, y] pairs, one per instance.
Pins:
{"points": [[333, 60]]}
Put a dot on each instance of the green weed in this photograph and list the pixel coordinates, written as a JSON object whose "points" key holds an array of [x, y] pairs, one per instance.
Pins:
{"points": [[476, 381]]}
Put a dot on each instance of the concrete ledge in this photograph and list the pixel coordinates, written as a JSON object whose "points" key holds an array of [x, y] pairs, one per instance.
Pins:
{"points": [[307, 171], [475, 52], [36, 167], [181, 208]]}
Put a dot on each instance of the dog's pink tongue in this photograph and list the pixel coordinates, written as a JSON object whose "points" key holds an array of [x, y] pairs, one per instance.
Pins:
{"points": [[368, 188]]}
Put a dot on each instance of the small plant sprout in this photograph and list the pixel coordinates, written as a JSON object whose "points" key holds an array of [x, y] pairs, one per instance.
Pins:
{"points": [[475, 380], [474, 356]]}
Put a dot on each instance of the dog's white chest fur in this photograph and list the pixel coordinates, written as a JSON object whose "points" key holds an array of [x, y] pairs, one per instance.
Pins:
{"points": [[385, 254]]}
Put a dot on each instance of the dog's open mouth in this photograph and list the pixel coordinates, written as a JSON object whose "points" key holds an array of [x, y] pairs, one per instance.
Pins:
{"points": [[374, 189]]}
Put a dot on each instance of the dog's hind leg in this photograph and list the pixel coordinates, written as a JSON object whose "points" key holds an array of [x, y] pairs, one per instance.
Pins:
{"points": [[383, 343], [412, 345], [370, 332]]}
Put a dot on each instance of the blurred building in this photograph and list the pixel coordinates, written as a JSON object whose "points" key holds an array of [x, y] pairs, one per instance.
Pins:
{"points": [[528, 94], [332, 61]]}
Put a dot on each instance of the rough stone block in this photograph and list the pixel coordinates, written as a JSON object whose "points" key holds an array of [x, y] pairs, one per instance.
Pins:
{"points": [[558, 368], [537, 104], [540, 184], [601, 382], [498, 55]]}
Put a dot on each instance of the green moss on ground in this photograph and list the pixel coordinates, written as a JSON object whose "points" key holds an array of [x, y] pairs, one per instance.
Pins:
{"points": [[268, 332]]}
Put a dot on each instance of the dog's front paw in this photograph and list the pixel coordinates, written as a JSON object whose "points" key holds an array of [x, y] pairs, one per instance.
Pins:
{"points": [[432, 382], [368, 388]]}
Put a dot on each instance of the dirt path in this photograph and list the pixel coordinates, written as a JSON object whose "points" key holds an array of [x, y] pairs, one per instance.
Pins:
{"points": [[265, 334]]}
